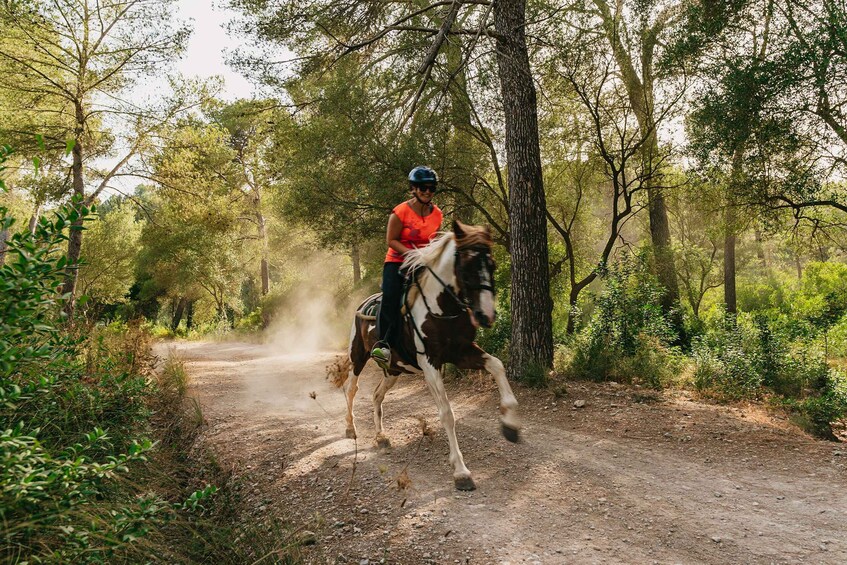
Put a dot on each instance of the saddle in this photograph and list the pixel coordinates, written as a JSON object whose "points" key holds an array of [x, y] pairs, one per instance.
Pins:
{"points": [[370, 310], [370, 307]]}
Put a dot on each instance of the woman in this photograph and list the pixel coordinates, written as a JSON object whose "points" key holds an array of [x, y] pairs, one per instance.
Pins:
{"points": [[413, 223]]}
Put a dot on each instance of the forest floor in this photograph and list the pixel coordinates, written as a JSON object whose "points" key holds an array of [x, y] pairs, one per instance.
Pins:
{"points": [[633, 476]]}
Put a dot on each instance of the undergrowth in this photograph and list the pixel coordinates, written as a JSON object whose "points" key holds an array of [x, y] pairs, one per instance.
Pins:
{"points": [[749, 356], [98, 462]]}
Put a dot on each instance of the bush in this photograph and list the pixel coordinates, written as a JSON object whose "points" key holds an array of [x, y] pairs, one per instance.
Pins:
{"points": [[827, 405], [745, 357], [495, 340], [627, 338], [73, 412]]}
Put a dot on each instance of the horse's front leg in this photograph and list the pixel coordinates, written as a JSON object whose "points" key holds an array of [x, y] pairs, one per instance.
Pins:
{"points": [[508, 403], [380, 391], [461, 475]]}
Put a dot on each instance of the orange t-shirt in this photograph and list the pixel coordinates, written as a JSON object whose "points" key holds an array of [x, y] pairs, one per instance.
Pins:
{"points": [[417, 231]]}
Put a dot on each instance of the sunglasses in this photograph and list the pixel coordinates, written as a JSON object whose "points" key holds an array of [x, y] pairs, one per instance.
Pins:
{"points": [[427, 188]]}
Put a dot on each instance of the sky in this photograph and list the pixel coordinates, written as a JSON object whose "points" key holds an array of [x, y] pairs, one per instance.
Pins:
{"points": [[209, 44], [204, 58]]}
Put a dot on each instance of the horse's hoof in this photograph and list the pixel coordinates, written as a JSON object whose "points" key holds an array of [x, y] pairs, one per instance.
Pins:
{"points": [[464, 483], [351, 433], [383, 442], [510, 433]]}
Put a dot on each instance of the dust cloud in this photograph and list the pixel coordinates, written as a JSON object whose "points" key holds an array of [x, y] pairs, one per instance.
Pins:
{"points": [[316, 313]]}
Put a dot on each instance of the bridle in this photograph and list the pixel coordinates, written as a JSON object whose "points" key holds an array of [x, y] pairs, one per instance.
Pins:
{"points": [[462, 298]]}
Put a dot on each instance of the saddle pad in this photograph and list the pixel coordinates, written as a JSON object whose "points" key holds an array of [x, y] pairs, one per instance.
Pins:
{"points": [[370, 307]]}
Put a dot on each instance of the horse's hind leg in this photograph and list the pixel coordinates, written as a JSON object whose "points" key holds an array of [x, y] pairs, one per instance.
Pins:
{"points": [[380, 391], [508, 403], [358, 357], [461, 475], [351, 387]]}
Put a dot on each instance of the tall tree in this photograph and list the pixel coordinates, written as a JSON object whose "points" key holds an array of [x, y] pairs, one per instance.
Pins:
{"points": [[250, 125], [634, 45], [322, 32], [194, 245], [644, 38], [110, 250], [596, 156], [78, 56], [532, 309]]}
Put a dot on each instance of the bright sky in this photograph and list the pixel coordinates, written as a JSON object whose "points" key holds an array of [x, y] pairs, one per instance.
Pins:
{"points": [[209, 44], [204, 58]]}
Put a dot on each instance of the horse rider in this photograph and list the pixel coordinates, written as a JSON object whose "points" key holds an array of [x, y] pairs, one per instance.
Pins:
{"points": [[413, 223]]}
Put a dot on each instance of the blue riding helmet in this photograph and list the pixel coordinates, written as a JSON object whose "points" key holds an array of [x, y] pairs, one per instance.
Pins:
{"points": [[422, 175]]}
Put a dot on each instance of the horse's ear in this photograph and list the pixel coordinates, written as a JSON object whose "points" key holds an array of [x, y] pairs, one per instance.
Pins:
{"points": [[458, 228]]}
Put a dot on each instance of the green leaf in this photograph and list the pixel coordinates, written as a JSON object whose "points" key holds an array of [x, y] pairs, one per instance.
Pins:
{"points": [[69, 146], [39, 139], [36, 162]]}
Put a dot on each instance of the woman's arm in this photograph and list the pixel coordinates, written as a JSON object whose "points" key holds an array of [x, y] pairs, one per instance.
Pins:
{"points": [[392, 234]]}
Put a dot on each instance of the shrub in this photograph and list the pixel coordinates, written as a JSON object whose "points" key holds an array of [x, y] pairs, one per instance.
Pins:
{"points": [[725, 364], [495, 340], [745, 357], [835, 338], [627, 338], [72, 415], [827, 405]]}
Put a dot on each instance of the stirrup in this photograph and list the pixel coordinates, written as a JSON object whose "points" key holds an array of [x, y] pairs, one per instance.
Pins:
{"points": [[382, 355]]}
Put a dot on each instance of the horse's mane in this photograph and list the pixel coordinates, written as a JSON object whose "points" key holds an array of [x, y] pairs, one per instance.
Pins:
{"points": [[429, 255]]}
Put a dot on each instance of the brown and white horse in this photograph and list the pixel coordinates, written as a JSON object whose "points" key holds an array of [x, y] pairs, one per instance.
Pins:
{"points": [[455, 295]]}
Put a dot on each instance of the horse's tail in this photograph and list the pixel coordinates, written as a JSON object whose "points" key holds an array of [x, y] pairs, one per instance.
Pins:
{"points": [[338, 370]]}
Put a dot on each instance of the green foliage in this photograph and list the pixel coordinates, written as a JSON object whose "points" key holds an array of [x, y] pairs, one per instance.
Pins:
{"points": [[728, 360], [110, 249], [817, 413], [628, 335], [29, 290], [745, 357], [71, 413], [799, 309]]}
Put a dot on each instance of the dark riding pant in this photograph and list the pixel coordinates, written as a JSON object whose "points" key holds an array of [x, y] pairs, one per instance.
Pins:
{"points": [[388, 326]]}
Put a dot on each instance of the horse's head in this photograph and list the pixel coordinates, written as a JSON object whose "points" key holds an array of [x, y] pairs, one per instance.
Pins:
{"points": [[474, 269]]}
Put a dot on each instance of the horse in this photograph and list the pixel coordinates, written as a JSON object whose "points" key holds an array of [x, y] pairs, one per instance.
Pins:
{"points": [[452, 295]]}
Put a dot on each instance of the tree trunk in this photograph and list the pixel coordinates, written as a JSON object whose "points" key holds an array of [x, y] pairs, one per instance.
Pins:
{"points": [[572, 310], [178, 311], [33, 220], [189, 315], [532, 325], [4, 237], [639, 89], [660, 237], [731, 229], [266, 281], [729, 296], [75, 235], [357, 263], [660, 232], [263, 237]]}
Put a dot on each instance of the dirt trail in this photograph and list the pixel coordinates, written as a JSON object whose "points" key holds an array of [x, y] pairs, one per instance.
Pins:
{"points": [[629, 478]]}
